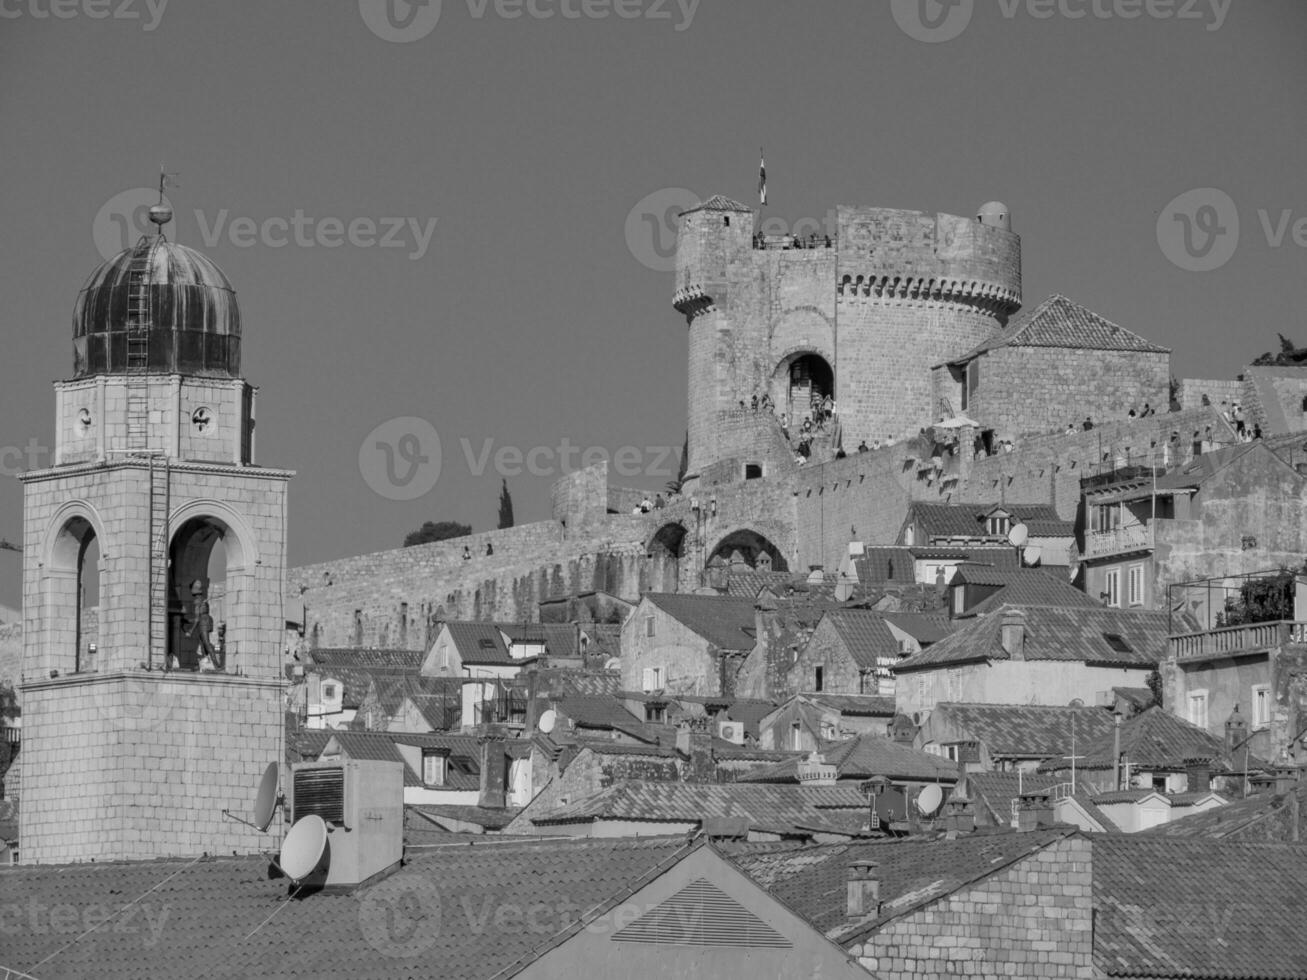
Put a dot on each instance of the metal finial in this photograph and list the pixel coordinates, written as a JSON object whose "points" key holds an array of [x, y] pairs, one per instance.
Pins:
{"points": [[161, 213]]}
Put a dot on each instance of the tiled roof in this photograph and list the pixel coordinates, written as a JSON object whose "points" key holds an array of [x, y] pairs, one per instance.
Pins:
{"points": [[1090, 806], [1022, 586], [862, 757], [1199, 908], [1060, 322], [718, 203], [925, 628], [480, 643], [887, 563], [813, 881], [1265, 817], [1026, 731], [223, 917], [367, 658], [968, 520], [860, 705], [372, 746], [1055, 633], [1154, 740], [747, 583], [776, 806], [864, 634], [992, 793], [599, 711], [1138, 698], [558, 682], [724, 621]]}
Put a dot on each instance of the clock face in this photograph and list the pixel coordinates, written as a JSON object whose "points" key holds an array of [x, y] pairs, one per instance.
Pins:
{"points": [[202, 419]]}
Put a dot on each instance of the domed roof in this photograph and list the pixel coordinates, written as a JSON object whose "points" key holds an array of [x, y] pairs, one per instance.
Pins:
{"points": [[993, 207], [158, 307]]}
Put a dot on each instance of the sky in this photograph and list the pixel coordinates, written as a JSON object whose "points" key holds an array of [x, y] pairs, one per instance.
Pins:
{"points": [[447, 224]]}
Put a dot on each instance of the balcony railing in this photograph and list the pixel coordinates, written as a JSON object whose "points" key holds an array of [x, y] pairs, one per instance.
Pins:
{"points": [[1238, 639], [1136, 537]]}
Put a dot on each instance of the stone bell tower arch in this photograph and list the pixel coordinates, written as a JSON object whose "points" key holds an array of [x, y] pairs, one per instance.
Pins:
{"points": [[147, 716]]}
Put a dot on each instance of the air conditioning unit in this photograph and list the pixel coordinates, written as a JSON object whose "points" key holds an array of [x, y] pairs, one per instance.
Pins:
{"points": [[731, 731], [362, 804]]}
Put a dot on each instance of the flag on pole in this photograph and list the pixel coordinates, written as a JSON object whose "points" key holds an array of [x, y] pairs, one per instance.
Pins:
{"points": [[762, 178]]}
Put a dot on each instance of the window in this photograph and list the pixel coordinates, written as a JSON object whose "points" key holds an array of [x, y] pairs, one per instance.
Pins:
{"points": [[1118, 643], [1000, 524], [1112, 588], [818, 678], [1261, 705], [655, 713], [972, 385], [752, 471], [434, 768], [951, 751], [1198, 708], [328, 692], [796, 737], [444, 655], [1107, 517], [1136, 585], [653, 678], [648, 626]]}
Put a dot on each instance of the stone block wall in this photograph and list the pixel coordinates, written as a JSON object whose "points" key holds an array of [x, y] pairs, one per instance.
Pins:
{"points": [[1032, 919], [1220, 390], [580, 500], [1023, 390], [128, 766]]}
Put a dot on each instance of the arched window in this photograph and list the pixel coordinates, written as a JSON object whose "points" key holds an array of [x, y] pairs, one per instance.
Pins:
{"points": [[197, 596]]}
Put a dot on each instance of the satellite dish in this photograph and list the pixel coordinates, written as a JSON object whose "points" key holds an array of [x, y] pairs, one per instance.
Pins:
{"points": [[265, 804], [1032, 554], [613, 663], [301, 851], [1073, 570], [843, 590], [547, 721], [1018, 535], [929, 799]]}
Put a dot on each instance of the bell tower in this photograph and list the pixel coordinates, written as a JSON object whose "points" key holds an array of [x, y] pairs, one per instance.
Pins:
{"points": [[153, 565]]}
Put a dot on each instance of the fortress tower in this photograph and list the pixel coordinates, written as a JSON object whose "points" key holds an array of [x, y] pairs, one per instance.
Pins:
{"points": [[862, 315], [154, 560]]}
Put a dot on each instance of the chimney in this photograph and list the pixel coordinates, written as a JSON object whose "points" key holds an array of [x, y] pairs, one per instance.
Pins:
{"points": [[1012, 633], [694, 741], [863, 889], [1199, 770], [960, 815], [1036, 809], [815, 771], [494, 770], [816, 574], [1285, 771]]}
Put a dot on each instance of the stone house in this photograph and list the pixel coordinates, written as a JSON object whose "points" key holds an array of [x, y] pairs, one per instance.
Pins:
{"points": [[804, 721], [853, 651], [686, 644], [1039, 655], [987, 525], [1016, 382], [1232, 511]]}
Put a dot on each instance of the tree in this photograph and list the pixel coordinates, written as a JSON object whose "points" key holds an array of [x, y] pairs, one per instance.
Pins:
{"points": [[436, 531], [1289, 355], [674, 486], [1154, 682], [505, 507], [1261, 600]]}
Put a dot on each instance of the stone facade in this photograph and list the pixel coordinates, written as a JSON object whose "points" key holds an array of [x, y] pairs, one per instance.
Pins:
{"points": [[893, 294], [1032, 919]]}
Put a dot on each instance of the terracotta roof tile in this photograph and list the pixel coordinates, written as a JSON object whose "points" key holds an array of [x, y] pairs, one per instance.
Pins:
{"points": [[724, 621], [862, 757], [1026, 731], [968, 521]]}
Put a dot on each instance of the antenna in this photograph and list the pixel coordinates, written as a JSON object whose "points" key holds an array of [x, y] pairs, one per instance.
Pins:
{"points": [[929, 800], [161, 213], [547, 721], [303, 849]]}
